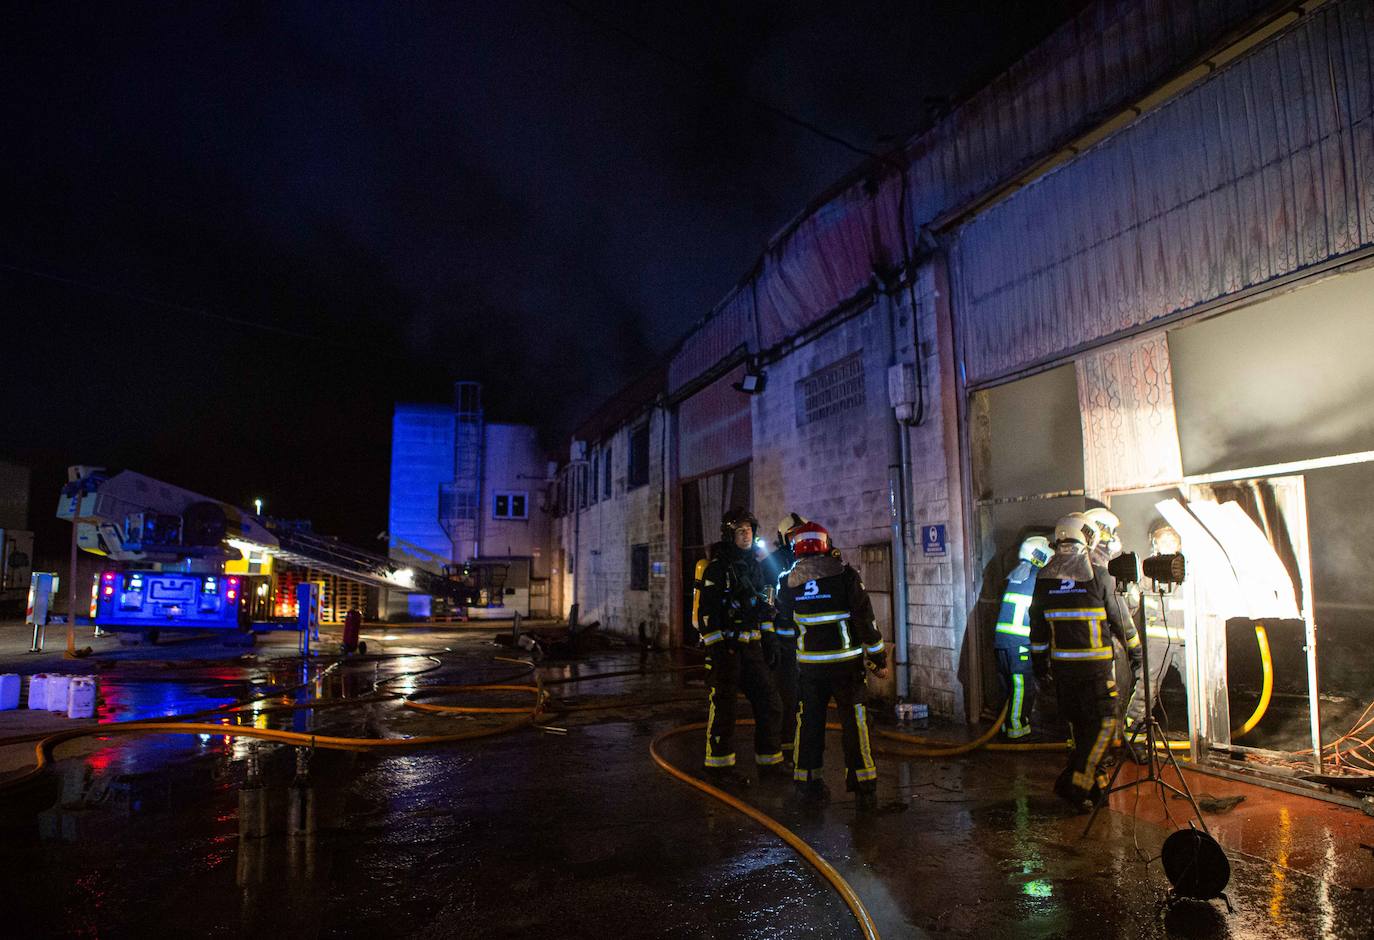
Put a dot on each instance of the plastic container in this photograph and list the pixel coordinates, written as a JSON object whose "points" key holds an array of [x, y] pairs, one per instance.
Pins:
{"points": [[38, 690], [81, 697], [9, 691], [56, 689]]}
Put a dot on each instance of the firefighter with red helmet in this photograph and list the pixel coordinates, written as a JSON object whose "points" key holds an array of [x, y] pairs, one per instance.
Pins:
{"points": [[732, 609], [824, 600]]}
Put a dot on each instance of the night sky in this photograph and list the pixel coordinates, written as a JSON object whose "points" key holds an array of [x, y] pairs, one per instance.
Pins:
{"points": [[236, 233]]}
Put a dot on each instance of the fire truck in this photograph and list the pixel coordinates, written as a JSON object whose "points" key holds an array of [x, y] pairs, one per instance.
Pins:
{"points": [[172, 559]]}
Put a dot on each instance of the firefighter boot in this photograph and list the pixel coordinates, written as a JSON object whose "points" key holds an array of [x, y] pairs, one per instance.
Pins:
{"points": [[726, 778], [813, 793]]}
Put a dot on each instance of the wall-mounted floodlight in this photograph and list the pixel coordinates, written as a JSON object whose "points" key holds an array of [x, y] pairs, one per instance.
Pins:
{"points": [[752, 382]]}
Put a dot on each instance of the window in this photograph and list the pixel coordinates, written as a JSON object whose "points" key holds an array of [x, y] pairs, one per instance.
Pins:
{"points": [[581, 471], [638, 473], [639, 568], [596, 475], [606, 474], [510, 506], [826, 392]]}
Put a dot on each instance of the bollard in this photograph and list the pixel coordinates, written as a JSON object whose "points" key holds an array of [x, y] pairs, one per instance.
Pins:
{"points": [[300, 807]]}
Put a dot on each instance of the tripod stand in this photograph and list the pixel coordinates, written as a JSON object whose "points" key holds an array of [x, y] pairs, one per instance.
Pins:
{"points": [[1153, 733]]}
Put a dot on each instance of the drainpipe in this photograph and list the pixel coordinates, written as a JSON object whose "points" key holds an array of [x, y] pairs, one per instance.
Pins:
{"points": [[898, 484]]}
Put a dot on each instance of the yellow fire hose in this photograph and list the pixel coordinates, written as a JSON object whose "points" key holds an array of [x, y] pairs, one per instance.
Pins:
{"points": [[826, 870], [1266, 693], [44, 748]]}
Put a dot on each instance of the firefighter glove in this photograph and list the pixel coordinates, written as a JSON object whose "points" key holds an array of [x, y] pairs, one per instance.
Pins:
{"points": [[1040, 665], [770, 650]]}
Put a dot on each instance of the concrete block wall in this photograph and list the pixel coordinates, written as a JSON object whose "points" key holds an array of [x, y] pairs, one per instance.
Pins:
{"points": [[833, 470], [598, 540], [935, 584]]}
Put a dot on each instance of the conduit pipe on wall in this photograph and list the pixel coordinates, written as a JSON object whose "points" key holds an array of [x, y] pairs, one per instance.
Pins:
{"points": [[898, 485]]}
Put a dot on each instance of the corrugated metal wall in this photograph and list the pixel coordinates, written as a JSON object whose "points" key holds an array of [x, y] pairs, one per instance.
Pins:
{"points": [[1111, 54], [1114, 52], [1265, 168], [715, 428], [730, 326]]}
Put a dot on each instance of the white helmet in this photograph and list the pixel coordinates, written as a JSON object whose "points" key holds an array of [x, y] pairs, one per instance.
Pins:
{"points": [[789, 522], [1075, 527], [1106, 521], [1036, 550]]}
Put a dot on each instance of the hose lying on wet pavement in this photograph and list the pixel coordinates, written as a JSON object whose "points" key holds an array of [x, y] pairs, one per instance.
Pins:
{"points": [[43, 750], [889, 742], [827, 871]]}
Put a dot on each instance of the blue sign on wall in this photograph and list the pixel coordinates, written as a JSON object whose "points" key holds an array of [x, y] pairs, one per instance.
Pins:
{"points": [[932, 540]]}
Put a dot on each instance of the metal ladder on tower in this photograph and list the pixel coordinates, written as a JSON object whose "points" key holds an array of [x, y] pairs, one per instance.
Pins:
{"points": [[460, 511]]}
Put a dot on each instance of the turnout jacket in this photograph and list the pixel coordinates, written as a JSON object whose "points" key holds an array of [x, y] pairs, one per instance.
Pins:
{"points": [[734, 597], [1013, 620], [824, 600], [1066, 623]]}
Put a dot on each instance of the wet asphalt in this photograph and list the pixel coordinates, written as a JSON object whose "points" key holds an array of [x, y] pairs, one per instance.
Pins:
{"points": [[567, 829]]}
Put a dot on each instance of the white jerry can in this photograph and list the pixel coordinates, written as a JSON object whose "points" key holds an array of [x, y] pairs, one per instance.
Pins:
{"points": [[38, 690], [81, 697], [57, 692], [9, 691]]}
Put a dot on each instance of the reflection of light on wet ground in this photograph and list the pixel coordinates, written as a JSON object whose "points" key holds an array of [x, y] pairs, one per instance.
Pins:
{"points": [[1279, 869]]}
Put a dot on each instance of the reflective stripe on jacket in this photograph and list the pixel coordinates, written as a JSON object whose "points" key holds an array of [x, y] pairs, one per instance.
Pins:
{"points": [[1013, 621], [1067, 619], [824, 600]]}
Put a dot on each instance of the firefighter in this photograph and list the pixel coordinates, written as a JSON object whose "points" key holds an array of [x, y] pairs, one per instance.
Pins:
{"points": [[1164, 636], [784, 664], [1011, 641], [824, 599], [733, 606], [1072, 601]]}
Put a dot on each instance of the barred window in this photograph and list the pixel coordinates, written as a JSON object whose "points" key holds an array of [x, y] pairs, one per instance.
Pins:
{"points": [[829, 391], [639, 567]]}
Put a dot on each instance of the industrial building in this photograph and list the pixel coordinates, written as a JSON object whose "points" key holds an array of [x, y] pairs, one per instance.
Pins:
{"points": [[469, 495], [1136, 267]]}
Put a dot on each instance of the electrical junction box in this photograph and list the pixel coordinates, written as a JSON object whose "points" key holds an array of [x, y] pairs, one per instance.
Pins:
{"points": [[901, 385]]}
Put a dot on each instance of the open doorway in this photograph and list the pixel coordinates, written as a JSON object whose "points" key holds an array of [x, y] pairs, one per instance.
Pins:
{"points": [[1238, 631], [705, 500]]}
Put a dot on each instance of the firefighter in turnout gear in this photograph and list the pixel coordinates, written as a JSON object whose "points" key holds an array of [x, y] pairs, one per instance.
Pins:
{"points": [[1164, 635], [1072, 602], [1011, 642], [824, 600], [785, 665], [733, 608]]}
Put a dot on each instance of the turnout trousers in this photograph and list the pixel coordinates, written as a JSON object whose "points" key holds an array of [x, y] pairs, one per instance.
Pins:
{"points": [[1162, 653], [1088, 701], [740, 669], [844, 683], [1018, 685], [785, 679]]}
